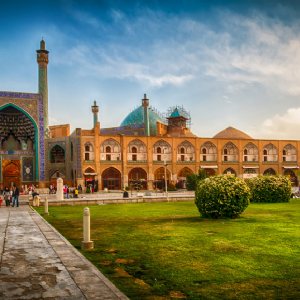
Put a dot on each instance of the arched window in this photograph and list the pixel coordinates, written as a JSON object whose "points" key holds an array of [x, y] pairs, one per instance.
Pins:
{"points": [[289, 153], [230, 152], [250, 153], [72, 152], [208, 152], [57, 154], [185, 152], [110, 149], [137, 151], [88, 151], [270, 153], [162, 151]]}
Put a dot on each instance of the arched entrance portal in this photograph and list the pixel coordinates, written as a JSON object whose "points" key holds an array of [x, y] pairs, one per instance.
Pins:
{"points": [[11, 173], [18, 146], [111, 179], [138, 178]]}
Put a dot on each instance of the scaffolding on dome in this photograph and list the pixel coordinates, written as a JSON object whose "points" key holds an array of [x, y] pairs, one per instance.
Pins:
{"points": [[162, 116], [182, 111]]}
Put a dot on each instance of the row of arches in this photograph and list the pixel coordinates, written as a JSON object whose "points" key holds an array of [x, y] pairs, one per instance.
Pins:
{"points": [[111, 178], [110, 150]]}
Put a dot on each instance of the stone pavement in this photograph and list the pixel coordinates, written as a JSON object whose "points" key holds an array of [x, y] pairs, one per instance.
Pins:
{"points": [[36, 262]]}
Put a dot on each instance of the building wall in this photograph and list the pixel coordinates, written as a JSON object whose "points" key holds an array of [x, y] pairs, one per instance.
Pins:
{"points": [[175, 165]]}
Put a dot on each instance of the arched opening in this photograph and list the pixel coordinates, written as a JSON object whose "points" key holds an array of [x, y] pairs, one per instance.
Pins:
{"points": [[110, 150], [159, 178], [185, 152], [250, 153], [270, 153], [137, 151], [162, 151], [88, 151], [229, 171], [72, 152], [90, 181], [53, 175], [57, 154], [137, 178], [181, 183], [208, 152], [209, 172], [230, 152], [19, 140], [111, 179], [269, 171], [11, 173], [292, 176], [289, 153]]}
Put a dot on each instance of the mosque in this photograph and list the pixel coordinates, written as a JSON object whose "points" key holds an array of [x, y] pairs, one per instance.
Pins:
{"points": [[146, 147]]}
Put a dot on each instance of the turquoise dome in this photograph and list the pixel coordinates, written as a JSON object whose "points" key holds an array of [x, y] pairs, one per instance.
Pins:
{"points": [[136, 118]]}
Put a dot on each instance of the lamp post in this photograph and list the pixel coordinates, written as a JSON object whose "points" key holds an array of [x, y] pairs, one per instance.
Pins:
{"points": [[166, 183]]}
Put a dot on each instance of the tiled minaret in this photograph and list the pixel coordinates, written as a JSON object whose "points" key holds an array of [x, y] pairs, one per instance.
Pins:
{"points": [[145, 103], [95, 111], [42, 60]]}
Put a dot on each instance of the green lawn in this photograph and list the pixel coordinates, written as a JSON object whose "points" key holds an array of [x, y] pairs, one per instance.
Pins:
{"points": [[166, 251]]}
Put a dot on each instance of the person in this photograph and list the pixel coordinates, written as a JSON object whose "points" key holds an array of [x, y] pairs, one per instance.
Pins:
{"points": [[6, 196], [15, 196], [76, 193]]}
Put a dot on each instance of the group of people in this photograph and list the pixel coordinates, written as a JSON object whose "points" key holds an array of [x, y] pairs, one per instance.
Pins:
{"points": [[11, 196]]}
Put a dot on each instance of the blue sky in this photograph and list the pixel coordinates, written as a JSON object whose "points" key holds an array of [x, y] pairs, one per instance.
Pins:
{"points": [[229, 63]]}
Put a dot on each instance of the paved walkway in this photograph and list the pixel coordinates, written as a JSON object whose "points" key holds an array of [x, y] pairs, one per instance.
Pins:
{"points": [[36, 262]]}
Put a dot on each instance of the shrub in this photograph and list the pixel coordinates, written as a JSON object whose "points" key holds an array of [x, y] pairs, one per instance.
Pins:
{"points": [[270, 189], [193, 179], [222, 196]]}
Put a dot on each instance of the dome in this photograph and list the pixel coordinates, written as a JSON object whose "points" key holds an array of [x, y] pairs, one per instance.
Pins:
{"points": [[136, 118], [232, 133]]}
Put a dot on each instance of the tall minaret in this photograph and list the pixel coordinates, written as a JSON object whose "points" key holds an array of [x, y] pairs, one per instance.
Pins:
{"points": [[42, 60], [145, 104], [95, 110]]}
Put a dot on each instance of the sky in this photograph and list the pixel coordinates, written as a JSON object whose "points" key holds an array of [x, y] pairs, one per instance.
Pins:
{"points": [[229, 63]]}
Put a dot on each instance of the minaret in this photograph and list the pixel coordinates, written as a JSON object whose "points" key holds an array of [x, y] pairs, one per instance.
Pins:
{"points": [[145, 104], [42, 60], [95, 110]]}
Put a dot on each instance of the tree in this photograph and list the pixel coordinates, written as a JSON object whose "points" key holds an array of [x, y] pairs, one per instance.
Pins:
{"points": [[193, 179]]}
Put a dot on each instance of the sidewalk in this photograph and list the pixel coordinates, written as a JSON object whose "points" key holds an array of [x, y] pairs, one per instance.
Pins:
{"points": [[36, 262]]}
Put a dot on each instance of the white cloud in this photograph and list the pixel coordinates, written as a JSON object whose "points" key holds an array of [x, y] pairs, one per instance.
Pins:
{"points": [[285, 126], [148, 49]]}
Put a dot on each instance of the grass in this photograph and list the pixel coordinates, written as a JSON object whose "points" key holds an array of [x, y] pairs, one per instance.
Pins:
{"points": [[166, 251]]}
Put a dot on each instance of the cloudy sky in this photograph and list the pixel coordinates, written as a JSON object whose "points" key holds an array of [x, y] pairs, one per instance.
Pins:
{"points": [[229, 63]]}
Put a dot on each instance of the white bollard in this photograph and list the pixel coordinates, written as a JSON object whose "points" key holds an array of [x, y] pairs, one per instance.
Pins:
{"points": [[46, 212], [59, 191], [86, 244]]}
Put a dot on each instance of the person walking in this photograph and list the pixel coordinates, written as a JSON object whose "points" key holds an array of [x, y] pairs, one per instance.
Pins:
{"points": [[6, 196], [15, 196]]}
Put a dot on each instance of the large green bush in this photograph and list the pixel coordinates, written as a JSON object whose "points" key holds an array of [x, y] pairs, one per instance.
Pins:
{"points": [[270, 189], [222, 196]]}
